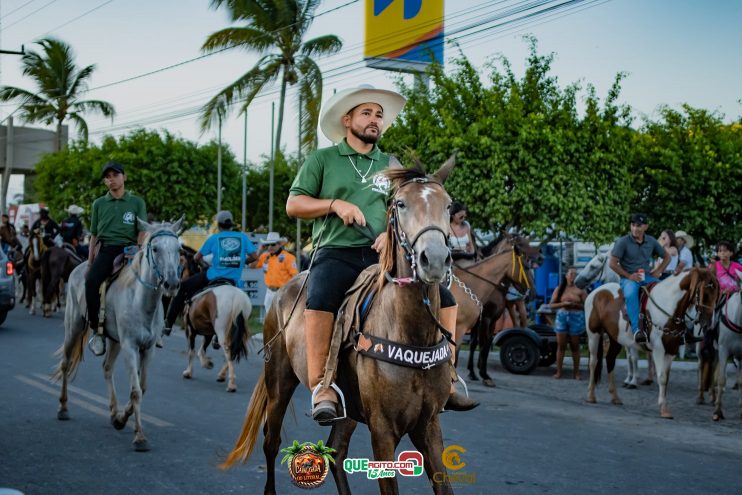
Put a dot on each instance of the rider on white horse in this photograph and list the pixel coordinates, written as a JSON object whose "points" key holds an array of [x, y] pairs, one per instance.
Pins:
{"points": [[631, 259]]}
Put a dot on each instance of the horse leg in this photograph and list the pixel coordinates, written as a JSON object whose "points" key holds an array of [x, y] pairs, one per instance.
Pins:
{"points": [[188, 372], [228, 368], [610, 360], [384, 441], [72, 350], [663, 362], [721, 382], [280, 382], [701, 371], [131, 359], [339, 440], [109, 361], [632, 357], [140, 442], [651, 371], [428, 439], [485, 337], [473, 341], [593, 341], [206, 361]]}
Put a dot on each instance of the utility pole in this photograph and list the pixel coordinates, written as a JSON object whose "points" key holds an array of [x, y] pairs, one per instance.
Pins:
{"points": [[9, 158], [298, 166], [271, 167], [244, 178], [219, 170]]}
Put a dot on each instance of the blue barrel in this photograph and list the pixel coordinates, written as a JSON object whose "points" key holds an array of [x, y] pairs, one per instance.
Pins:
{"points": [[547, 275]]}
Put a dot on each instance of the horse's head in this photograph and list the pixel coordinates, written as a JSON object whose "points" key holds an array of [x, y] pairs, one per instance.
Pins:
{"points": [[702, 290], [524, 258], [160, 261], [592, 271], [419, 223]]}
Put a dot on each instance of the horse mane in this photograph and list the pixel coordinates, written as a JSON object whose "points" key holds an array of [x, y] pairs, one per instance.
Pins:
{"points": [[397, 177], [488, 248]]}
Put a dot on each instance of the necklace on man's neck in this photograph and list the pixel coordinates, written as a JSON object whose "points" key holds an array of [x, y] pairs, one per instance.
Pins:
{"points": [[362, 176]]}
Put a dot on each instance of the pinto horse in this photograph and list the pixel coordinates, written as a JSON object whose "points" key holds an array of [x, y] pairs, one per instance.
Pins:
{"points": [[221, 312], [413, 263], [666, 317], [480, 290], [134, 319]]}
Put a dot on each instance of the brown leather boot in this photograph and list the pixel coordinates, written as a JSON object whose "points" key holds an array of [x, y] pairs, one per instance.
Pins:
{"points": [[317, 335], [456, 401]]}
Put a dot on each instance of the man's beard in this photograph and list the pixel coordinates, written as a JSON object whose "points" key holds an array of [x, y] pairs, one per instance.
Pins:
{"points": [[366, 138]]}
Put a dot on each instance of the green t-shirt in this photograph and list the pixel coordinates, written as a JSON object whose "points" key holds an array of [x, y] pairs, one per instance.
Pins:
{"points": [[337, 173], [114, 221]]}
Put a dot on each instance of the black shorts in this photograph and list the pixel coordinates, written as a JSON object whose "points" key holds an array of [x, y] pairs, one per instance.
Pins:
{"points": [[334, 271]]}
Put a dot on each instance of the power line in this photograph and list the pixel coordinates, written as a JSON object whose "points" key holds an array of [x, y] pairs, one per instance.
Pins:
{"points": [[29, 15], [78, 17], [16, 9]]}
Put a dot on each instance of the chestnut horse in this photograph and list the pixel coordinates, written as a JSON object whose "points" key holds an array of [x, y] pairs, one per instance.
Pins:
{"points": [[674, 304], [415, 260], [56, 266], [221, 312], [480, 290]]}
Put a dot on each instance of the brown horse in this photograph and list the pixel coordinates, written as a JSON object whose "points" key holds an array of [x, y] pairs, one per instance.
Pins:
{"points": [[480, 290], [221, 312], [414, 261], [33, 262], [676, 303], [56, 266]]}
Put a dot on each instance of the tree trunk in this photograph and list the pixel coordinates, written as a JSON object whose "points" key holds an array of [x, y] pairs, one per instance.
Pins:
{"points": [[58, 141], [276, 147], [9, 157]]}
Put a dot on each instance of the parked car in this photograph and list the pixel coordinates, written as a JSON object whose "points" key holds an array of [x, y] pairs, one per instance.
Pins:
{"points": [[7, 286]]}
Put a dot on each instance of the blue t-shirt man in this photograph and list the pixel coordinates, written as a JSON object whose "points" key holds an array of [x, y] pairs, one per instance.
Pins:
{"points": [[230, 251]]}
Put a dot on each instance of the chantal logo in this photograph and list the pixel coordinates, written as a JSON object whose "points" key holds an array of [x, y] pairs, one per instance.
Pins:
{"points": [[452, 459]]}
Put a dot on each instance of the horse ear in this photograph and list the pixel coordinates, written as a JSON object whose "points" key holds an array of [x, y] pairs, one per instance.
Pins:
{"points": [[178, 226], [442, 173], [394, 162], [143, 225]]}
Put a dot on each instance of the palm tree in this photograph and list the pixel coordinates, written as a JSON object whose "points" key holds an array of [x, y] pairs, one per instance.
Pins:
{"points": [[61, 83], [277, 26]]}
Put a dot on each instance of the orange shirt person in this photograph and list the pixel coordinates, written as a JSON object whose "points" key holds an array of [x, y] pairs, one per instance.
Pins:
{"points": [[279, 266]]}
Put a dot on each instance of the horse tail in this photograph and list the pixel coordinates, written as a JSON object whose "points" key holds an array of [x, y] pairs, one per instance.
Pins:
{"points": [[77, 347], [599, 365], [254, 419], [238, 338]]}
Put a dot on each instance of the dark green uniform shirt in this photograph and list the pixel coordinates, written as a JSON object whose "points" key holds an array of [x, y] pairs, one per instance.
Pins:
{"points": [[338, 172], [114, 221]]}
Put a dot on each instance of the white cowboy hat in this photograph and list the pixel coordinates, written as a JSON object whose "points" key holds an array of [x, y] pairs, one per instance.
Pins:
{"points": [[75, 210], [342, 102], [689, 242], [272, 238]]}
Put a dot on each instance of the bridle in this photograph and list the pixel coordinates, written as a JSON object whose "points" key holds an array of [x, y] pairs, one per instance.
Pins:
{"points": [[159, 277], [401, 237]]}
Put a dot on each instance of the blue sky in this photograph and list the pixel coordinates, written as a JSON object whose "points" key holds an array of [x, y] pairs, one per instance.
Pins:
{"points": [[674, 51]]}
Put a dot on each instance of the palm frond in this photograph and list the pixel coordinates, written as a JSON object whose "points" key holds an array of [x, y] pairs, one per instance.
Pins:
{"points": [[10, 93], [244, 89], [94, 106], [80, 81], [310, 95], [322, 45], [249, 38], [82, 126]]}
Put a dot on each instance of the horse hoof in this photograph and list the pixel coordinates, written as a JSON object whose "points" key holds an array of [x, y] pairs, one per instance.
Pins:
{"points": [[186, 375], [63, 415], [625, 385], [666, 415], [631, 386], [617, 402], [141, 445], [647, 382], [489, 382], [220, 379], [232, 389], [117, 423], [591, 400], [700, 401], [717, 416]]}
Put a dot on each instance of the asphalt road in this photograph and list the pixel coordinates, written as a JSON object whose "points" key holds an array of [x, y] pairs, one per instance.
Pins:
{"points": [[532, 434]]}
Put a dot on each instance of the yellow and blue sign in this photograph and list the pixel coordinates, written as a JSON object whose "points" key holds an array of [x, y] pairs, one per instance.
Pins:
{"points": [[404, 35]]}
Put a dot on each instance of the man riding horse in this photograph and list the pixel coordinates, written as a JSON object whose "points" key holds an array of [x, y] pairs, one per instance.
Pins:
{"points": [[341, 183], [71, 230], [113, 225], [45, 227], [631, 259]]}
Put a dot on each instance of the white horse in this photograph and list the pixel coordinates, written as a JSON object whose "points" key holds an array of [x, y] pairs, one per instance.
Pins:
{"points": [[133, 320], [667, 311], [221, 311], [730, 344]]}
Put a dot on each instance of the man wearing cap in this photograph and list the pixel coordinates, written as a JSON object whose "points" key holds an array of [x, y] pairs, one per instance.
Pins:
{"points": [[631, 259], [71, 227], [279, 266], [113, 227], [46, 227], [229, 252], [8, 236], [685, 258], [338, 186]]}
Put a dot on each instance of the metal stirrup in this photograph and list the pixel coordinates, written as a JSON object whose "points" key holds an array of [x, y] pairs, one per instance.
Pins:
{"points": [[340, 394]]}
